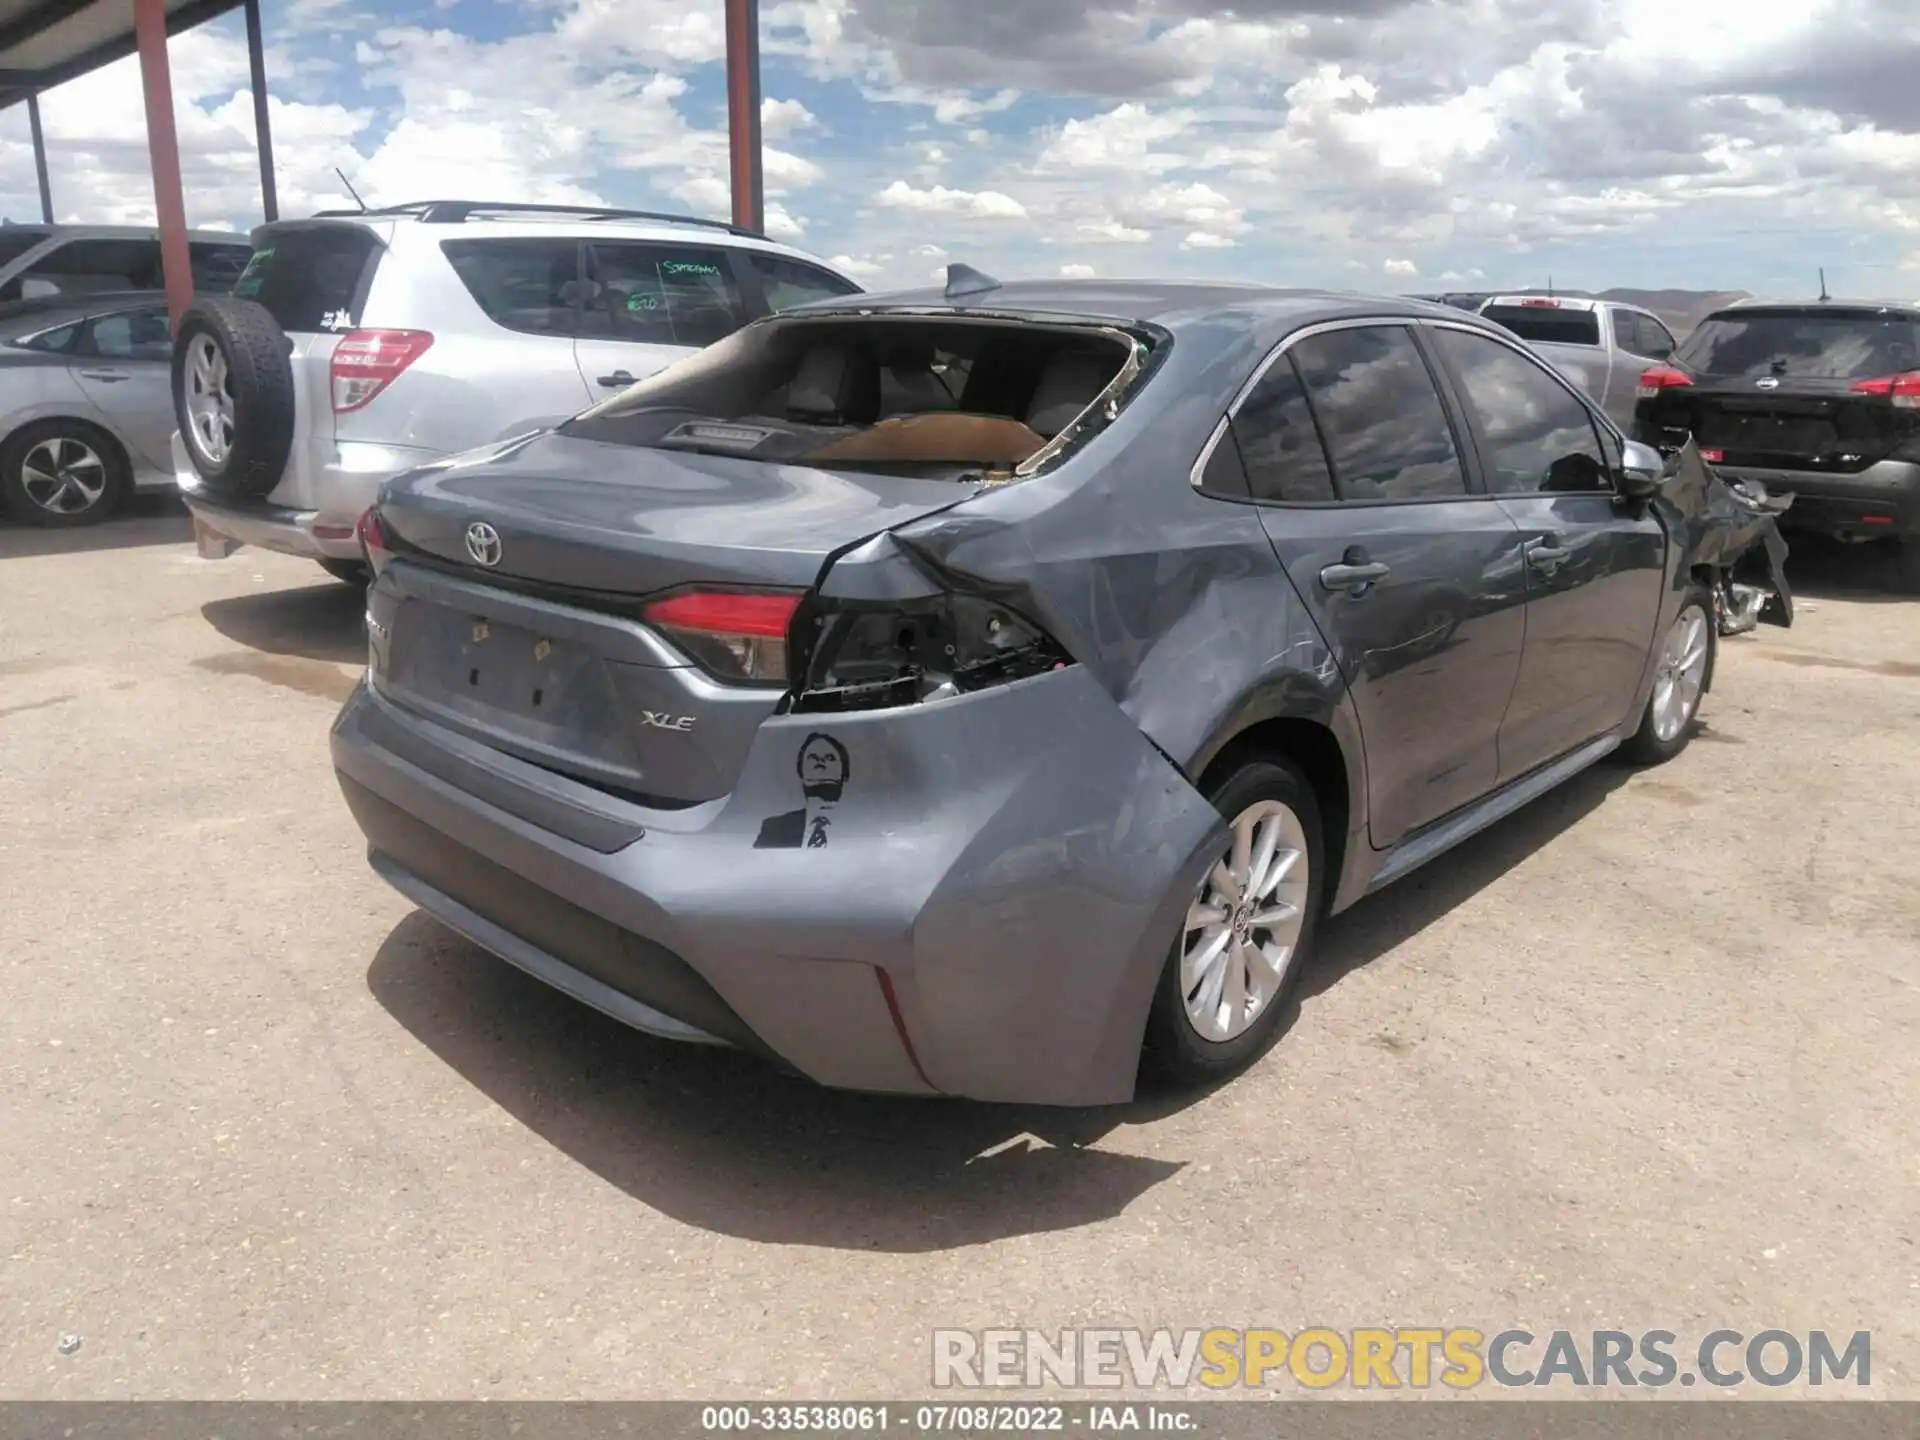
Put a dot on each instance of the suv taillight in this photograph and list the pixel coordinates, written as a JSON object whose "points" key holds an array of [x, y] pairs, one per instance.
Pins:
{"points": [[736, 635], [872, 656], [1903, 390], [1663, 377], [374, 542], [365, 362]]}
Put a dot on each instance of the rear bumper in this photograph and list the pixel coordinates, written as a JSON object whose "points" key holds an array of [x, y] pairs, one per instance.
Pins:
{"points": [[340, 489], [1000, 881], [1880, 502]]}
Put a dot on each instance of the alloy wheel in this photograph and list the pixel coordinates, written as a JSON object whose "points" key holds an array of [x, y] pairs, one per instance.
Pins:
{"points": [[64, 476], [1243, 928], [209, 402], [1682, 673]]}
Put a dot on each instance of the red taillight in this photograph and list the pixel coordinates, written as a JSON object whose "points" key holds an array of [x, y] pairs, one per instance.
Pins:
{"points": [[735, 634], [372, 535], [365, 362], [1713, 457], [1663, 377], [1903, 390]]}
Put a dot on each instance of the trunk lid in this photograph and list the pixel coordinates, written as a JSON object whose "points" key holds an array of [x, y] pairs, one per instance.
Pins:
{"points": [[543, 655]]}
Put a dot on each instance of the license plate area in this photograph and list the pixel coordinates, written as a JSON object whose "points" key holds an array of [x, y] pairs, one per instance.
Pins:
{"points": [[552, 694]]}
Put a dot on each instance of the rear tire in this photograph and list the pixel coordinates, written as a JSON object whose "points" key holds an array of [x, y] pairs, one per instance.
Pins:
{"points": [[1684, 669], [233, 395], [1195, 1034], [348, 572], [59, 474]]}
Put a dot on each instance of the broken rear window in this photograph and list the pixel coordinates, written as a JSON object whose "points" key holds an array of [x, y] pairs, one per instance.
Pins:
{"points": [[935, 396], [1828, 343]]}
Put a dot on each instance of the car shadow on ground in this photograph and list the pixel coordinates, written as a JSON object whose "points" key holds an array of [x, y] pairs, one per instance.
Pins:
{"points": [[721, 1141], [323, 621], [1823, 569], [143, 520]]}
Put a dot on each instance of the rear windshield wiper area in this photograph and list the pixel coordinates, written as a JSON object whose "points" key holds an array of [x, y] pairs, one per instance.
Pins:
{"points": [[952, 396]]}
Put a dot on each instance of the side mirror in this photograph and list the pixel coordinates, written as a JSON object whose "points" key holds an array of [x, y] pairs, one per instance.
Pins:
{"points": [[1641, 472]]}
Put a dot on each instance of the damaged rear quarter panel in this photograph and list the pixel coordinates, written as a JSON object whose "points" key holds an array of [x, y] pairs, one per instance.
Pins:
{"points": [[1174, 601]]}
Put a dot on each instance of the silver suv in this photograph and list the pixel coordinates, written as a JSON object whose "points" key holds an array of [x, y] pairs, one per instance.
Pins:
{"points": [[380, 340]]}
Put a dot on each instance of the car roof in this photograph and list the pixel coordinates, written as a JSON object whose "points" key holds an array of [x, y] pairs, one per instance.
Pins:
{"points": [[1162, 302], [21, 317], [692, 231], [1909, 307], [125, 232]]}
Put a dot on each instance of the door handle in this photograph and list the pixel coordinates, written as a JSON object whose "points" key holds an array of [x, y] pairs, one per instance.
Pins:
{"points": [[618, 380], [1545, 555], [108, 376], [1355, 578]]}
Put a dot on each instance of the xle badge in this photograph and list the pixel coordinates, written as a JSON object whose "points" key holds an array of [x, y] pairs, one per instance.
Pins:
{"points": [[661, 720]]}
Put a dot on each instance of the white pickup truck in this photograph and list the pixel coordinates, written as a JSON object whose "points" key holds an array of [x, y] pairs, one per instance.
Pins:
{"points": [[1601, 345]]}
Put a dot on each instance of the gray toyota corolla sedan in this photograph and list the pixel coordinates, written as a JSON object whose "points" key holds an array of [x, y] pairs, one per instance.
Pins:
{"points": [[962, 692]]}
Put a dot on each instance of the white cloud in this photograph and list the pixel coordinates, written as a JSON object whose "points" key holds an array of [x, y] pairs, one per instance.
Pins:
{"points": [[780, 118], [1112, 232], [929, 252], [1123, 137], [1077, 272], [939, 200], [1207, 240], [782, 226], [782, 170], [1401, 269], [856, 266]]}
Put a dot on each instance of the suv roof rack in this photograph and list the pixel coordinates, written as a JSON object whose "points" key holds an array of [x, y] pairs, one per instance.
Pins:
{"points": [[456, 212]]}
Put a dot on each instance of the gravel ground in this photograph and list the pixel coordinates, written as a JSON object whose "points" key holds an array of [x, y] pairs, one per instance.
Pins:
{"points": [[1643, 1056]]}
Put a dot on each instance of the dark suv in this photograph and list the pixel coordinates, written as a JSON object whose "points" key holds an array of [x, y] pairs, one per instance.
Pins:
{"points": [[1822, 399]]}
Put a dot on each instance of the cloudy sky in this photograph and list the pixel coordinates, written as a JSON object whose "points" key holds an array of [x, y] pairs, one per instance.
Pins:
{"points": [[1396, 144]]}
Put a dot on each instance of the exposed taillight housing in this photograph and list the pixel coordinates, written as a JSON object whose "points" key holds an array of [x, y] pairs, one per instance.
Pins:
{"points": [[736, 636], [365, 362], [375, 543], [1661, 378], [873, 656], [1903, 389]]}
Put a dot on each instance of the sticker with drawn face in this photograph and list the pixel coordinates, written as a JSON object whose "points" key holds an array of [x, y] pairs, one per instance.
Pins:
{"points": [[824, 770]]}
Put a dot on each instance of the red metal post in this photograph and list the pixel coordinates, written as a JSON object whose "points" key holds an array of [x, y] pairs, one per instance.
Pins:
{"points": [[163, 152], [743, 114]]}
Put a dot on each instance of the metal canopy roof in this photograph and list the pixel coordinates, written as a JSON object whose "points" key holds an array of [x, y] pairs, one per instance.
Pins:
{"points": [[44, 43]]}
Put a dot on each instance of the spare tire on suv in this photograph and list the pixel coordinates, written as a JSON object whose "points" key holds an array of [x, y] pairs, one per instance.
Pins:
{"points": [[233, 395]]}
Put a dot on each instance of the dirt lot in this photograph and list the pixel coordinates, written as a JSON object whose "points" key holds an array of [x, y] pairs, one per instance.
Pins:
{"points": [[1642, 1056]]}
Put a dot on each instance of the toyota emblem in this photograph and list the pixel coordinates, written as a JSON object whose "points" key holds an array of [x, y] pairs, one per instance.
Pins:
{"points": [[483, 544], [1768, 384]]}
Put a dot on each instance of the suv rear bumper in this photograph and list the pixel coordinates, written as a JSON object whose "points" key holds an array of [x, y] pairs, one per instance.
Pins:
{"points": [[985, 918], [345, 487], [1881, 502]]}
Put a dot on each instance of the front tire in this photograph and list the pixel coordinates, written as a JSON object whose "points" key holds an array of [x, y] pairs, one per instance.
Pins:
{"points": [[1249, 930], [59, 474], [1683, 669]]}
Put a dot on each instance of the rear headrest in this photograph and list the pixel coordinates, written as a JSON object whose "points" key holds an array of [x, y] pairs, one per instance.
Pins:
{"points": [[835, 385], [1067, 386]]}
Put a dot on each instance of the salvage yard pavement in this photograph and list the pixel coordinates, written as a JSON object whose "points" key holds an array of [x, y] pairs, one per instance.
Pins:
{"points": [[1642, 1055]]}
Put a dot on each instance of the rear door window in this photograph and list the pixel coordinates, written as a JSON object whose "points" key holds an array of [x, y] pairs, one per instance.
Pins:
{"points": [[1536, 435], [1386, 430], [528, 285], [787, 283], [661, 294], [131, 335], [311, 279], [1827, 344], [1546, 325], [217, 267], [1279, 444]]}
